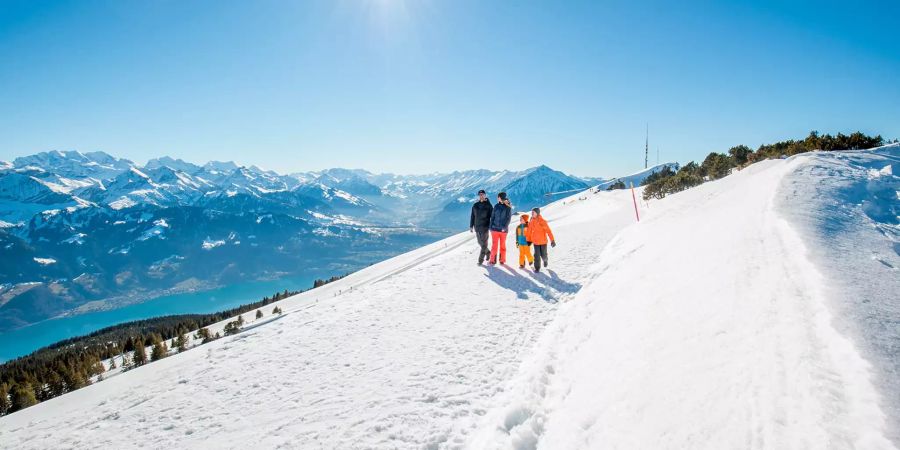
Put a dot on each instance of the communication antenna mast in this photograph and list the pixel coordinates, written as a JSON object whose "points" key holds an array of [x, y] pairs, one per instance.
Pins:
{"points": [[647, 146]]}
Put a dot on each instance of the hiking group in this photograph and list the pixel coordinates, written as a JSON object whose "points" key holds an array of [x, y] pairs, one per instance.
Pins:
{"points": [[494, 221]]}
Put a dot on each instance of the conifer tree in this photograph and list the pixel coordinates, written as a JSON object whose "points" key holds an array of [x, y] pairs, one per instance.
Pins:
{"points": [[112, 363], [160, 350], [97, 366], [139, 357], [4, 399], [55, 384], [716, 165], [74, 378], [233, 327], [619, 184], [181, 342], [22, 397], [259, 314], [203, 334], [740, 154]]}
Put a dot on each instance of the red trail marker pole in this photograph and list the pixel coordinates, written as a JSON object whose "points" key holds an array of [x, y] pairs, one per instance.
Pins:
{"points": [[634, 199]]}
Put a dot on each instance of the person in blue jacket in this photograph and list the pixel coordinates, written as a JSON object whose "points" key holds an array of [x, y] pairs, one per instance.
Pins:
{"points": [[500, 218]]}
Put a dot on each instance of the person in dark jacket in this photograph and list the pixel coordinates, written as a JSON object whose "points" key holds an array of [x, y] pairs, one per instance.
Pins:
{"points": [[480, 224], [500, 218]]}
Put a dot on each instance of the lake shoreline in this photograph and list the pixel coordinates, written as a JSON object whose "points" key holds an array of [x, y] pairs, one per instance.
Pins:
{"points": [[22, 341]]}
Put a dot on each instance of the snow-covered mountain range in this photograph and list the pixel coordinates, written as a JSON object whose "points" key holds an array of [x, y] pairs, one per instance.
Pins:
{"points": [[73, 178], [79, 227]]}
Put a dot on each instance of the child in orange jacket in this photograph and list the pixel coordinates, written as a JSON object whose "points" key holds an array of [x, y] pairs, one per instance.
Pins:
{"points": [[523, 242], [539, 231]]}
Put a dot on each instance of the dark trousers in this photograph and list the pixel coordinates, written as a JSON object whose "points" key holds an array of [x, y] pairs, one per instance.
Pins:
{"points": [[540, 253], [482, 235]]}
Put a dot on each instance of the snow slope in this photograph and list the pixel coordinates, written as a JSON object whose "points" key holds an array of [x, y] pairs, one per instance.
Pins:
{"points": [[703, 326], [407, 353]]}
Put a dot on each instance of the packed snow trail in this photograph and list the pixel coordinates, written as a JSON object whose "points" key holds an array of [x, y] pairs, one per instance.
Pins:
{"points": [[408, 353], [705, 327]]}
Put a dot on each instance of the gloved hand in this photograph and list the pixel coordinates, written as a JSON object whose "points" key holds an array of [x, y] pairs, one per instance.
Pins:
{"points": [[553, 243]]}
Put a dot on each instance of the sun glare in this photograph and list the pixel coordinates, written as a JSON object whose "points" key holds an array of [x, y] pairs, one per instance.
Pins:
{"points": [[388, 15]]}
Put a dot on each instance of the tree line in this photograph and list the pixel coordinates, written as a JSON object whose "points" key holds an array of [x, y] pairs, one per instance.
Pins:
{"points": [[72, 363], [717, 165]]}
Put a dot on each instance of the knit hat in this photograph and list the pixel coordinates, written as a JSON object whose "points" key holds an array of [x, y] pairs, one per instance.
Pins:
{"points": [[537, 211], [525, 217], [481, 191], [502, 195]]}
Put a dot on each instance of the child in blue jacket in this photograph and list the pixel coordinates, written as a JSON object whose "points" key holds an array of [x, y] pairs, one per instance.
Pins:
{"points": [[523, 242]]}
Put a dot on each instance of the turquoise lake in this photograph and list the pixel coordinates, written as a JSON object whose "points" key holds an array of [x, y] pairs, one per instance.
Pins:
{"points": [[25, 340]]}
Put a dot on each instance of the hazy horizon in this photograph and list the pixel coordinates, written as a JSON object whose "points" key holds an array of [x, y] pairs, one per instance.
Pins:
{"points": [[249, 164]]}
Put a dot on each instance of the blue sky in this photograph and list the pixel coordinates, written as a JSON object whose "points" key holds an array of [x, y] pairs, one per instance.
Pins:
{"points": [[422, 86]]}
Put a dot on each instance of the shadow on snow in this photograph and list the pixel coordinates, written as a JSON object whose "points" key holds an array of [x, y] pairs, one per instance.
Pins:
{"points": [[549, 286]]}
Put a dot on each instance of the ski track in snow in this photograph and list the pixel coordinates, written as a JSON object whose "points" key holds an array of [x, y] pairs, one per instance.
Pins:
{"points": [[703, 326]]}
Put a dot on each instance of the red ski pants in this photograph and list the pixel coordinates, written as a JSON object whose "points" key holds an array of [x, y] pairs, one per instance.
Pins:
{"points": [[495, 237]]}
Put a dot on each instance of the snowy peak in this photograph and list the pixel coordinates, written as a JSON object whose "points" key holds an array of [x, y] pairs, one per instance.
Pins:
{"points": [[173, 179], [216, 167], [540, 185], [546, 175], [28, 189], [161, 185], [176, 164], [349, 182], [261, 171], [336, 198], [526, 189], [245, 180], [343, 174], [128, 189], [74, 164]]}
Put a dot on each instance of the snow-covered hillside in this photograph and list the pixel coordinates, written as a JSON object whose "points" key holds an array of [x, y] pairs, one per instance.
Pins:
{"points": [[706, 325], [637, 177]]}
